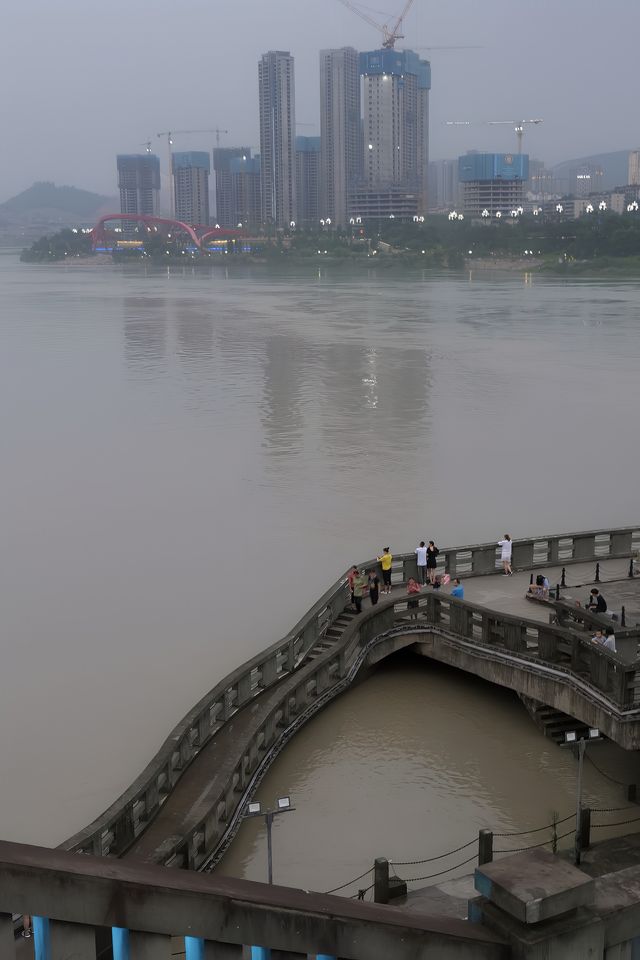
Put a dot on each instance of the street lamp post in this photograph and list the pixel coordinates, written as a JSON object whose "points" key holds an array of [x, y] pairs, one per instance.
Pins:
{"points": [[570, 738], [254, 809]]}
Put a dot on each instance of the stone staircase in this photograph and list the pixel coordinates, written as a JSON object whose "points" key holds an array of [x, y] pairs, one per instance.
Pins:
{"points": [[553, 723], [332, 635]]}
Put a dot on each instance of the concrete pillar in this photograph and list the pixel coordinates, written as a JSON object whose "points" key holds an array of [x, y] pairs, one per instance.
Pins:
{"points": [[381, 880], [269, 671], [485, 847], [323, 680], [483, 560], [244, 689], [522, 558], [584, 548], [410, 568], [620, 544]]}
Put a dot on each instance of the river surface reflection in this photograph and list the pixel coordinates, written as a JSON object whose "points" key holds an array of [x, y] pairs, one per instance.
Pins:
{"points": [[190, 458]]}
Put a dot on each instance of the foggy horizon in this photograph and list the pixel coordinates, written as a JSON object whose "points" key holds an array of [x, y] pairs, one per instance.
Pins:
{"points": [[89, 83]]}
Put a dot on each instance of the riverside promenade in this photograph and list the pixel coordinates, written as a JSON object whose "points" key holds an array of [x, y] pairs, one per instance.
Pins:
{"points": [[187, 805]]}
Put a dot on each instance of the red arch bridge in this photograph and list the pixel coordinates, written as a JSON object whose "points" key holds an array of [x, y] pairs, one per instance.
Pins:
{"points": [[199, 235]]}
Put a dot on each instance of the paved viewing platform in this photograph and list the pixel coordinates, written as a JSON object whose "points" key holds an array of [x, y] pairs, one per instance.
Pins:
{"points": [[185, 807]]}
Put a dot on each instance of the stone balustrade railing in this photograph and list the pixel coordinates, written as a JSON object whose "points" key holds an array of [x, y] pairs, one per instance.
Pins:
{"points": [[118, 827], [85, 907]]}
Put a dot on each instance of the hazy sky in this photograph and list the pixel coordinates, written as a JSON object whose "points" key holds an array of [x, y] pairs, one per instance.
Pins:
{"points": [[82, 80]]}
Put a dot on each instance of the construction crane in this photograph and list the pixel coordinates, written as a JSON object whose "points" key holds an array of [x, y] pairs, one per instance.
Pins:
{"points": [[169, 134], [518, 126], [472, 46], [389, 34]]}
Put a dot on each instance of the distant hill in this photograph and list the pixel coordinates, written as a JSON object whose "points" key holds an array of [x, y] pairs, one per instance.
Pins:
{"points": [[67, 202]]}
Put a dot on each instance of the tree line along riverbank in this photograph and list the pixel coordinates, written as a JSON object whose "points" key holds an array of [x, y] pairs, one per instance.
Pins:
{"points": [[603, 242]]}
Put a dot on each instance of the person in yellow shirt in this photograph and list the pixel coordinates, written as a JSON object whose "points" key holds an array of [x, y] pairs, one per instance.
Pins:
{"points": [[385, 562]]}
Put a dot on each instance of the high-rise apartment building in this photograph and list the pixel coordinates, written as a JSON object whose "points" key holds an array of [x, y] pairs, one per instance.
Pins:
{"points": [[340, 131], [277, 137], [395, 109], [634, 167], [223, 158], [246, 197], [139, 183], [308, 181], [443, 185], [191, 186]]}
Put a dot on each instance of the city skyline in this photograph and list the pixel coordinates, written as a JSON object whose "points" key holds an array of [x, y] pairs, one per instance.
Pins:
{"points": [[85, 120]]}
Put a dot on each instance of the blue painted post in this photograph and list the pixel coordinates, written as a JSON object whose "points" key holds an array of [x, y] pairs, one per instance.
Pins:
{"points": [[194, 948], [120, 943], [41, 938], [325, 956], [260, 953]]}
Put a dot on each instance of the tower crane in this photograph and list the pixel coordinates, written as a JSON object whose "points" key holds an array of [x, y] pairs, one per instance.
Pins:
{"points": [[518, 126], [389, 34], [169, 134]]}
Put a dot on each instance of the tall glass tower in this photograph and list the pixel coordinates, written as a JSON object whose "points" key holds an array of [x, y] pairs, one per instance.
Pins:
{"points": [[277, 137]]}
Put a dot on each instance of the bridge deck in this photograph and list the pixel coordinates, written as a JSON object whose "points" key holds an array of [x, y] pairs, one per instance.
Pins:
{"points": [[507, 594], [203, 780]]}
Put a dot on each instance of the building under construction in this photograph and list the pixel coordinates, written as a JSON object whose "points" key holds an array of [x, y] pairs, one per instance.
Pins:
{"points": [[492, 182]]}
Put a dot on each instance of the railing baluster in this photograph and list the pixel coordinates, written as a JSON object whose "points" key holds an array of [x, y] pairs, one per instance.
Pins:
{"points": [[194, 948], [120, 943], [41, 938]]}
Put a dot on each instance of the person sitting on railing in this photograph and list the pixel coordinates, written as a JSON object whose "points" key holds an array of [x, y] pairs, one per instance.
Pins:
{"points": [[540, 589], [596, 603]]}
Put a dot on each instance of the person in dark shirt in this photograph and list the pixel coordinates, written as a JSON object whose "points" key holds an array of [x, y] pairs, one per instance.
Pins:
{"points": [[374, 587], [597, 603]]}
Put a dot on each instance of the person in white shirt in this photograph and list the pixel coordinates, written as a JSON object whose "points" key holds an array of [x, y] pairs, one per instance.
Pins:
{"points": [[506, 554], [421, 554], [609, 640]]}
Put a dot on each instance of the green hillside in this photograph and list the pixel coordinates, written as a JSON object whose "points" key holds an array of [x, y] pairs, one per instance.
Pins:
{"points": [[47, 196]]}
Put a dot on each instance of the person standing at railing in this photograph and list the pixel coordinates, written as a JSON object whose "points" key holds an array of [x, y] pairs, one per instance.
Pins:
{"points": [[359, 589], [350, 578], [421, 557], [385, 562], [374, 587], [505, 556], [609, 641], [432, 561]]}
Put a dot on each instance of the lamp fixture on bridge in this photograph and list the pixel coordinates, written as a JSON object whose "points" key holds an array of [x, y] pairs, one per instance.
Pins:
{"points": [[254, 809], [571, 738]]}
